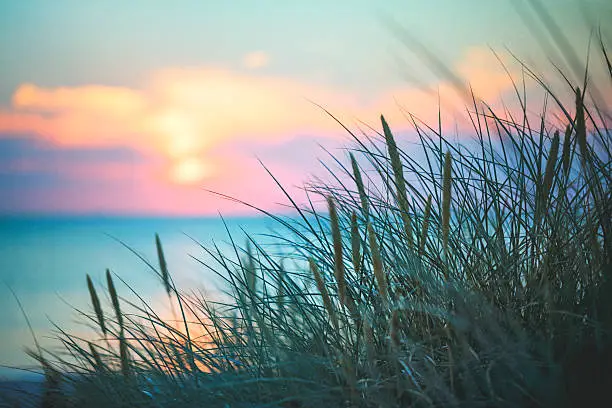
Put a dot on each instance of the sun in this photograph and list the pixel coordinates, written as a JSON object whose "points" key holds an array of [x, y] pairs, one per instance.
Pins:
{"points": [[190, 170]]}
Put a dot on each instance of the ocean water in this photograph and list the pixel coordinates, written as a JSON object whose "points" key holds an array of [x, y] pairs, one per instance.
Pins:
{"points": [[45, 262]]}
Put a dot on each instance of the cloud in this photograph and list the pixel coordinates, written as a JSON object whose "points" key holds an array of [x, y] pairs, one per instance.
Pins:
{"points": [[91, 116], [180, 119], [484, 72], [180, 115], [27, 163], [256, 59]]}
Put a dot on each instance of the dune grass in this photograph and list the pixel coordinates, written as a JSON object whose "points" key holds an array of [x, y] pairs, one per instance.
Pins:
{"points": [[477, 277]]}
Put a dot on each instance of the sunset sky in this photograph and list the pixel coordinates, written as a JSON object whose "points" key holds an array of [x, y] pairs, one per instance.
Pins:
{"points": [[134, 107]]}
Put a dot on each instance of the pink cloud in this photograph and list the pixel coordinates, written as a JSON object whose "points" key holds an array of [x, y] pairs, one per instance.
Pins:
{"points": [[140, 194], [183, 116], [70, 170]]}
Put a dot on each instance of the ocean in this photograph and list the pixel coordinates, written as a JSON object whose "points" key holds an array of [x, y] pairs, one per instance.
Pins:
{"points": [[44, 261]]}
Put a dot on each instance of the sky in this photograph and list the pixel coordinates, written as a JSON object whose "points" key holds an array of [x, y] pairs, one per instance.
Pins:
{"points": [[139, 107]]}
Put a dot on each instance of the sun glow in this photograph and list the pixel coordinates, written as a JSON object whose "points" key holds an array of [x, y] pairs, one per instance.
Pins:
{"points": [[186, 116], [190, 171]]}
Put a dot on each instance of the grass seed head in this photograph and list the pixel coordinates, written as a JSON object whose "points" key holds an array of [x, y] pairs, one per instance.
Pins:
{"points": [[567, 150], [327, 303], [581, 126], [549, 172], [338, 257], [95, 301], [163, 267], [114, 298], [363, 197], [124, 356], [400, 182], [251, 273]]}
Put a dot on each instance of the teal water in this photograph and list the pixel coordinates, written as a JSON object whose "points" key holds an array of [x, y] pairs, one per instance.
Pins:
{"points": [[45, 260]]}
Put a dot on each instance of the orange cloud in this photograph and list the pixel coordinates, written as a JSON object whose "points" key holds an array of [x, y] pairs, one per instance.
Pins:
{"points": [[484, 72], [89, 116], [94, 98], [182, 115]]}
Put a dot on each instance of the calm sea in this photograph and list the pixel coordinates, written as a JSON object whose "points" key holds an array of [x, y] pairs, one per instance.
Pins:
{"points": [[45, 260]]}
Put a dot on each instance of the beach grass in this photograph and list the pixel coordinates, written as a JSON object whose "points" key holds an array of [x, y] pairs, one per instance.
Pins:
{"points": [[474, 277]]}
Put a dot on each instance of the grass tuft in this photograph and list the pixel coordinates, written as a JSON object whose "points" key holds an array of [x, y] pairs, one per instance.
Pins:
{"points": [[522, 228]]}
